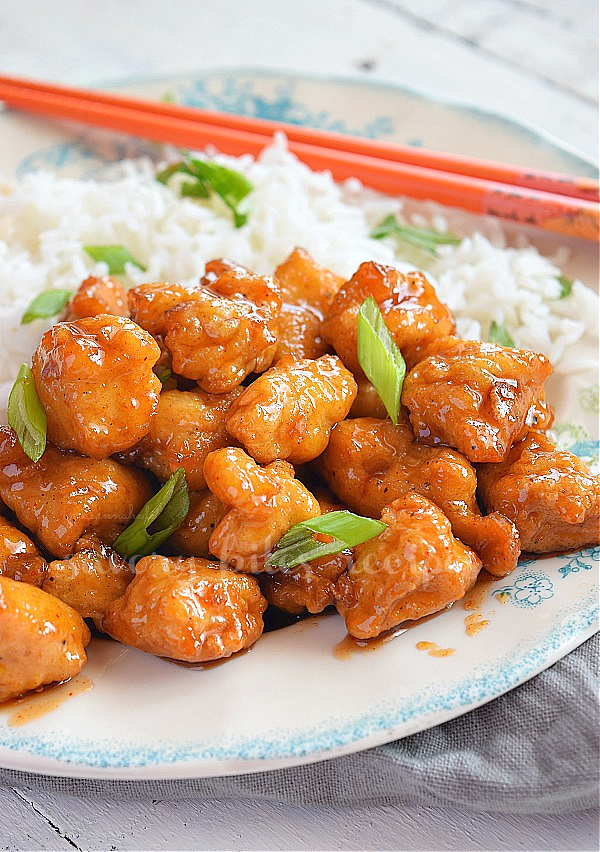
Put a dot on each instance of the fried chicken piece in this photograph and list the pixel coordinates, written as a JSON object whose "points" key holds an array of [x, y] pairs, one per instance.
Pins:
{"points": [[98, 296], [226, 333], [89, 580], [63, 496], [94, 378], [218, 267], [299, 333], [19, 557], [370, 463], [288, 412], [474, 396], [192, 536], [194, 610], [411, 310], [307, 290], [264, 504], [368, 402], [187, 427], [149, 303], [548, 493], [310, 586], [42, 640], [414, 568]]}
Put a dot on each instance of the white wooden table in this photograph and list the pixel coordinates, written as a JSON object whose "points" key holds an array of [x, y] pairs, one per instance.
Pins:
{"points": [[535, 60]]}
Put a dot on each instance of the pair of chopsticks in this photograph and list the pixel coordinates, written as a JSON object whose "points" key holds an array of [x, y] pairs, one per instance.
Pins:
{"points": [[549, 200]]}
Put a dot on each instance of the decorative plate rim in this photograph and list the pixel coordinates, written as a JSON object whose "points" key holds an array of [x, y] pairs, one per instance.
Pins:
{"points": [[520, 125], [47, 754]]}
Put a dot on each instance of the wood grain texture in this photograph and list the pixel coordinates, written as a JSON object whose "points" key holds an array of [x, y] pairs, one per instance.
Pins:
{"points": [[535, 60], [203, 824]]}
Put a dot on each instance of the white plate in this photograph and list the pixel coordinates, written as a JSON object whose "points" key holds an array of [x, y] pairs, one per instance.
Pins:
{"points": [[291, 700]]}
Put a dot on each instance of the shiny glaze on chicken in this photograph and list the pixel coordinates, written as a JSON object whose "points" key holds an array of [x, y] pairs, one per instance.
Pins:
{"points": [[95, 380], [548, 494], [187, 427], [412, 312], [187, 609], [247, 359], [226, 333], [414, 568], [474, 396], [370, 463], [264, 503], [64, 496], [288, 412], [42, 640]]}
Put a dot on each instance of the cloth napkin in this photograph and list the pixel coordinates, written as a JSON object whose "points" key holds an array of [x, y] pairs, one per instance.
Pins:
{"points": [[533, 750]]}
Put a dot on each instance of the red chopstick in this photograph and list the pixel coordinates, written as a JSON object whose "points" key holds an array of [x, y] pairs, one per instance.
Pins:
{"points": [[374, 163], [545, 181]]}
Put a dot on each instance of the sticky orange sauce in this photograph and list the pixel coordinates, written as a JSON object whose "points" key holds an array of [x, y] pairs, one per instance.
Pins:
{"points": [[36, 704], [474, 623], [349, 646], [477, 595], [434, 650]]}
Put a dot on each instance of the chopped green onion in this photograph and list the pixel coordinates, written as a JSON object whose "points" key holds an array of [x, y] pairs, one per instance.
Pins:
{"points": [[115, 258], [566, 286], [299, 545], [157, 520], [425, 239], [47, 304], [499, 334], [26, 415], [164, 375], [208, 177], [380, 358]]}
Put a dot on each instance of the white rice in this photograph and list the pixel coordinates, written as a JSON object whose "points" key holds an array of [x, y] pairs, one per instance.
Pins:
{"points": [[45, 220]]}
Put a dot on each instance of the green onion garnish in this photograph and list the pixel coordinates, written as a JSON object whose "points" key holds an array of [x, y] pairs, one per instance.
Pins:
{"points": [[26, 415], [157, 520], [425, 239], [115, 258], [566, 286], [164, 375], [299, 544], [207, 178], [47, 304], [380, 358], [499, 334]]}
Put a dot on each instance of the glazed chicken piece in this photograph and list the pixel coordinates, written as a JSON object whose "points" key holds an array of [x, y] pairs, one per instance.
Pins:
{"points": [[264, 503], [413, 568], [310, 586], [98, 296], [548, 493], [149, 303], [192, 536], [307, 290], [370, 463], [473, 396], [64, 496], [89, 580], [42, 640], [187, 427], [194, 610], [368, 402], [288, 412], [94, 378], [219, 267], [411, 310], [19, 557], [226, 333]]}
